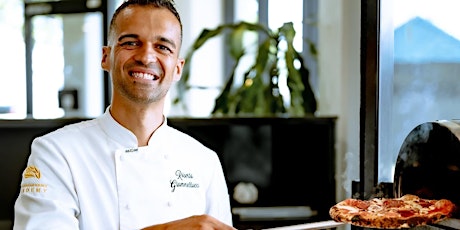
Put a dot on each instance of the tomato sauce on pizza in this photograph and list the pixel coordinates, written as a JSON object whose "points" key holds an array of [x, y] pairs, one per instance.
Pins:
{"points": [[392, 213]]}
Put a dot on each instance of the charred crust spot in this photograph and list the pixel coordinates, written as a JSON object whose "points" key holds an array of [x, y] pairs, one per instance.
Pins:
{"points": [[355, 218]]}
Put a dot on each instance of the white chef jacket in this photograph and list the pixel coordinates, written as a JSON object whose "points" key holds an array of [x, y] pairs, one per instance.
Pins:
{"points": [[91, 175]]}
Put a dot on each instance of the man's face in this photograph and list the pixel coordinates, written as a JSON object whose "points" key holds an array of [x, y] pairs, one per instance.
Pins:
{"points": [[143, 54]]}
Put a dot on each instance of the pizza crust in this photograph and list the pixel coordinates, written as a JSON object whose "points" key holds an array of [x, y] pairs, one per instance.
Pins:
{"points": [[392, 213]]}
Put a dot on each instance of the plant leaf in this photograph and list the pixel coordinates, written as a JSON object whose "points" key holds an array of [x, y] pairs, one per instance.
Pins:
{"points": [[259, 95]]}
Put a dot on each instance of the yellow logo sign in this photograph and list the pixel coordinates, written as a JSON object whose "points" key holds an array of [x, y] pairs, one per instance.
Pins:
{"points": [[31, 172]]}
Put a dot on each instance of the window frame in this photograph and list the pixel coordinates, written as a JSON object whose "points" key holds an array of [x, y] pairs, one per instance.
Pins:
{"points": [[32, 9]]}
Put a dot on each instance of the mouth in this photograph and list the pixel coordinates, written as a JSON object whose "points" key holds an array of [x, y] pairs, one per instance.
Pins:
{"points": [[143, 75]]}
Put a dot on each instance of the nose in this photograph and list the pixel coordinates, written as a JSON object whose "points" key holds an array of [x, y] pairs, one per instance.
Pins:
{"points": [[146, 54]]}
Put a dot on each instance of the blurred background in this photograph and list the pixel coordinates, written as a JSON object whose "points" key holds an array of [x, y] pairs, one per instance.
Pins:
{"points": [[51, 50]]}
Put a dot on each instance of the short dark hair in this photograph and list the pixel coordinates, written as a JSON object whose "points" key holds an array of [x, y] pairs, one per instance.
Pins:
{"points": [[168, 4]]}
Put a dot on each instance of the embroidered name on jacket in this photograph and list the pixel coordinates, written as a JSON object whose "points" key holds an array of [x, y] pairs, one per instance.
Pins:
{"points": [[182, 180]]}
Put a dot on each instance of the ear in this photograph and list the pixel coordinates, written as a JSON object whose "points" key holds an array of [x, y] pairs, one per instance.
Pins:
{"points": [[105, 62], [179, 66]]}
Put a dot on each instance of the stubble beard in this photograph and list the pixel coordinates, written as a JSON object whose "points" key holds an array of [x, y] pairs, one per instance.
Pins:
{"points": [[142, 95], [146, 96]]}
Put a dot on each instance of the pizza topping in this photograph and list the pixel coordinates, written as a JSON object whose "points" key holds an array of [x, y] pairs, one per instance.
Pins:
{"points": [[404, 212], [361, 204], [375, 208], [390, 203], [425, 203], [349, 208]]}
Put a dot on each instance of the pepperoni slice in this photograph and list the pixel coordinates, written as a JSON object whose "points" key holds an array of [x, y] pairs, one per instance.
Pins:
{"points": [[393, 203], [406, 213], [425, 203], [361, 204]]}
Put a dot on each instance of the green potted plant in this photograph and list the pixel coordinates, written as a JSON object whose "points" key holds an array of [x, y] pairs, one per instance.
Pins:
{"points": [[259, 94]]}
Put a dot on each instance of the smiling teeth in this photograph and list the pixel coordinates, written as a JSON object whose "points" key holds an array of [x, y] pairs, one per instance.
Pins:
{"points": [[144, 76]]}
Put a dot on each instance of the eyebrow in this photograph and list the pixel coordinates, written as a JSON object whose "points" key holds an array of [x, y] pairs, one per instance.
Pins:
{"points": [[128, 36], [161, 38]]}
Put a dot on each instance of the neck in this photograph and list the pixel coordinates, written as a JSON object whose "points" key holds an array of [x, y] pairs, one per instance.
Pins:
{"points": [[142, 121]]}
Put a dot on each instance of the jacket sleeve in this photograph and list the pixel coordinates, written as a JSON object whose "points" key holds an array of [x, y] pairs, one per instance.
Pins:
{"points": [[47, 198], [218, 196]]}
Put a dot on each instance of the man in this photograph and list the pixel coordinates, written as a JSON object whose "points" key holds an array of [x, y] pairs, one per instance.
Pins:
{"points": [[127, 169]]}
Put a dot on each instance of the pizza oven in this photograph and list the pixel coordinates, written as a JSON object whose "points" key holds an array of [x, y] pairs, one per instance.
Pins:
{"points": [[428, 163]]}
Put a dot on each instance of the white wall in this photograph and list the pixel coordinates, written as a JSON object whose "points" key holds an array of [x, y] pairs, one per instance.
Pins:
{"points": [[339, 83]]}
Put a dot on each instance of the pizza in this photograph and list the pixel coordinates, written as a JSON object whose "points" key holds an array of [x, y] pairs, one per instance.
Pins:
{"points": [[392, 213]]}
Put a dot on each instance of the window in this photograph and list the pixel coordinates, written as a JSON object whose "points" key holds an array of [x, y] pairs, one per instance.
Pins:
{"points": [[12, 61], [53, 71], [50, 67], [270, 13], [276, 12], [425, 66], [66, 76]]}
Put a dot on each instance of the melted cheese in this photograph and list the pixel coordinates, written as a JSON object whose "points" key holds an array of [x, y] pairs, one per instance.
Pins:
{"points": [[347, 207]]}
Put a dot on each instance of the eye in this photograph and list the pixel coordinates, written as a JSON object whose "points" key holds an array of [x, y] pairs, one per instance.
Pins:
{"points": [[164, 48], [130, 44]]}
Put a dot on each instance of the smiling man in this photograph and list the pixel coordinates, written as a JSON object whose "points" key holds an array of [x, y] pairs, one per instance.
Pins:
{"points": [[127, 169]]}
